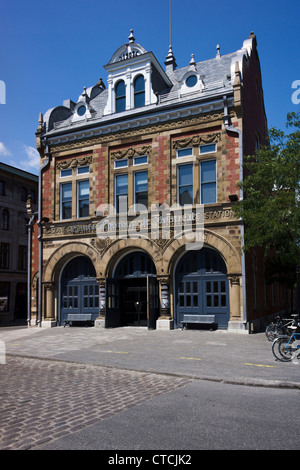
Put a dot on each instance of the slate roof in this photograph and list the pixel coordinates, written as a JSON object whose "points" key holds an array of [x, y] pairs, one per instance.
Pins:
{"points": [[217, 76]]}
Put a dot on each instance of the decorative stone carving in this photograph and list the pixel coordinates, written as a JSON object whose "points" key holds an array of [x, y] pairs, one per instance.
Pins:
{"points": [[74, 162]]}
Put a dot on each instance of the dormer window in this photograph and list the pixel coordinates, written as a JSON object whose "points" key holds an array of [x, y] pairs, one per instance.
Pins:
{"points": [[120, 96], [81, 110], [139, 91], [191, 81]]}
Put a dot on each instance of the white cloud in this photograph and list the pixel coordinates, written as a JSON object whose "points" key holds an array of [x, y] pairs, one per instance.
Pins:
{"points": [[33, 158], [4, 152]]}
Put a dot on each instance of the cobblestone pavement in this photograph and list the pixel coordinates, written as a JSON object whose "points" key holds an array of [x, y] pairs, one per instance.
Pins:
{"points": [[42, 400]]}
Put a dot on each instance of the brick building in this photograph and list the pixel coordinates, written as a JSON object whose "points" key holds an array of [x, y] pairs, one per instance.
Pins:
{"points": [[139, 179], [15, 187]]}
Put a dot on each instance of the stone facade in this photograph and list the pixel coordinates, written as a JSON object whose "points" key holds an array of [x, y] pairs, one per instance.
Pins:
{"points": [[107, 144]]}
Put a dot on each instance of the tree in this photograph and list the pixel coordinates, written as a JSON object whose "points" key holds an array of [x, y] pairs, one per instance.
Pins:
{"points": [[270, 207]]}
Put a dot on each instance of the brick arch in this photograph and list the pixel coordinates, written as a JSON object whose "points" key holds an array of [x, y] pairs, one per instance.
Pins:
{"points": [[211, 240], [64, 254]]}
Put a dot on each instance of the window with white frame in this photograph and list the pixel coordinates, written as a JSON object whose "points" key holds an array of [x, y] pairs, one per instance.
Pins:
{"points": [[66, 201], [83, 200], [121, 193], [141, 188], [208, 182], [185, 184]]}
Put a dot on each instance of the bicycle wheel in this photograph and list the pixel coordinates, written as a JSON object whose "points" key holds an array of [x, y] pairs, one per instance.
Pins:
{"points": [[283, 349], [271, 332]]}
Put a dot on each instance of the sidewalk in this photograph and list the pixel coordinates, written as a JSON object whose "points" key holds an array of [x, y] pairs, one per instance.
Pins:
{"points": [[199, 354]]}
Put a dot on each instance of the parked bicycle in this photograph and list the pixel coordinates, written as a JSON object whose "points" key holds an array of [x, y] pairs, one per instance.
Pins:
{"points": [[279, 327], [286, 347]]}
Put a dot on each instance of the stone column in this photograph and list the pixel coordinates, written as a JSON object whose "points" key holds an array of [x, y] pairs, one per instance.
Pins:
{"points": [[234, 296], [164, 322], [49, 316], [235, 323], [100, 321]]}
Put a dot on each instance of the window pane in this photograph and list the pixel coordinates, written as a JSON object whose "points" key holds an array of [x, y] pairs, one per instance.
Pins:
{"points": [[121, 163], [66, 191], [121, 184], [185, 184], [139, 100], [186, 195], [66, 201], [120, 97], [139, 92], [65, 173], [120, 89], [83, 169], [208, 171], [139, 84], [185, 152], [208, 182], [140, 160], [121, 190], [141, 188], [185, 175], [141, 181], [83, 199], [207, 148], [208, 194]]}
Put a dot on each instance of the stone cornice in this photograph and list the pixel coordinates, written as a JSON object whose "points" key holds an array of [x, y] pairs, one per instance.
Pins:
{"points": [[203, 119]]}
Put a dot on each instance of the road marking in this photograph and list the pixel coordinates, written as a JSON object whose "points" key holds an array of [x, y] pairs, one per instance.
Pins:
{"points": [[191, 358], [257, 365], [115, 352]]}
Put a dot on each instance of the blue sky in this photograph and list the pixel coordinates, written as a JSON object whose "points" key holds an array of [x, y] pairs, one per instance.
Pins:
{"points": [[51, 50]]}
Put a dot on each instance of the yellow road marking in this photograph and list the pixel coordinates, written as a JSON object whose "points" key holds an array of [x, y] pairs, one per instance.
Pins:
{"points": [[116, 352], [257, 365], [191, 358]]}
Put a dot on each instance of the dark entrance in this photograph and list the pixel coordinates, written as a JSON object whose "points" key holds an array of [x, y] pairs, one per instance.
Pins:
{"points": [[79, 289], [134, 302], [132, 296]]}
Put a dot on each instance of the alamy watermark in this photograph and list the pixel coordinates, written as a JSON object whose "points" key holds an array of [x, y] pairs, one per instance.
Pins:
{"points": [[2, 92], [162, 222], [296, 93]]}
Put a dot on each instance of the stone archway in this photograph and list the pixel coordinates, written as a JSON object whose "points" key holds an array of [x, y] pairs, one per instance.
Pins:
{"points": [[53, 270], [229, 254]]}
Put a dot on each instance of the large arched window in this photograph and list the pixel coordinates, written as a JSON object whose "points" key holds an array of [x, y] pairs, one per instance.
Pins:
{"points": [[139, 91], [120, 96]]}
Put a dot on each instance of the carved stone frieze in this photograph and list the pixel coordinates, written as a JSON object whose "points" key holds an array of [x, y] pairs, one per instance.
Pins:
{"points": [[197, 140], [74, 162], [132, 152]]}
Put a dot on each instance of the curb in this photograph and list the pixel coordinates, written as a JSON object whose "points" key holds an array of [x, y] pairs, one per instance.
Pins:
{"points": [[249, 382]]}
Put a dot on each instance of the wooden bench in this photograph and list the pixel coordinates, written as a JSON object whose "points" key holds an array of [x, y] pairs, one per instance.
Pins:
{"points": [[201, 320], [78, 317]]}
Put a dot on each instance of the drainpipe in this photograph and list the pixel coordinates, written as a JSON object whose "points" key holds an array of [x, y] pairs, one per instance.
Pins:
{"points": [[230, 128], [29, 252], [39, 321]]}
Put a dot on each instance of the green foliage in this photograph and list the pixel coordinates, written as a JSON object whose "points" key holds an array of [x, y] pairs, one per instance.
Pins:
{"points": [[270, 207]]}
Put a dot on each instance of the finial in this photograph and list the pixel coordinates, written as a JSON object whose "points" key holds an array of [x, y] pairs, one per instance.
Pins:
{"points": [[131, 37], [218, 51], [192, 62]]}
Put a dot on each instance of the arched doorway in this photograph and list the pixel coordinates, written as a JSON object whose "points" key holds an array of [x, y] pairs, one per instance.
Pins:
{"points": [[132, 293], [79, 289], [201, 288]]}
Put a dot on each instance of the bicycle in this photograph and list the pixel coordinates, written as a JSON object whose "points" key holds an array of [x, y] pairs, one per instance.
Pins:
{"points": [[278, 328], [285, 347]]}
